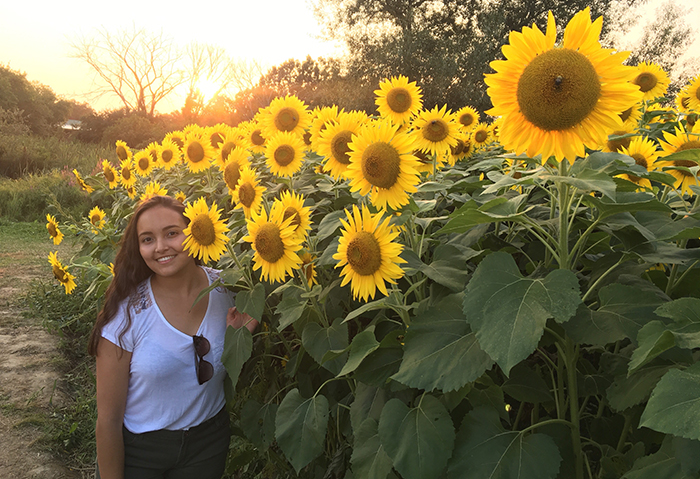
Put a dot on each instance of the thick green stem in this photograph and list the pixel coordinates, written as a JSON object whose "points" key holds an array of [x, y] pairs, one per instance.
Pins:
{"points": [[674, 271], [572, 360], [563, 219], [601, 277]]}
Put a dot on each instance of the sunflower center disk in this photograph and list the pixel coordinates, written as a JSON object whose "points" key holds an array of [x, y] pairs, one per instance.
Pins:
{"points": [[292, 213], [481, 136], [95, 219], [246, 194], [167, 156], [558, 89], [435, 131], [195, 152], [143, 163], [287, 119], [640, 160], [109, 175], [626, 114], [399, 100], [121, 153], [216, 139], [52, 230], [257, 138], [339, 147], [231, 175], [284, 155], [381, 165], [618, 143], [689, 145], [126, 173], [226, 149], [268, 243], [646, 81], [202, 230], [467, 119], [364, 254], [59, 274], [458, 149]]}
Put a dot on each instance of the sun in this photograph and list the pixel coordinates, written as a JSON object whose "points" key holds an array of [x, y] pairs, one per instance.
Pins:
{"points": [[208, 88]]}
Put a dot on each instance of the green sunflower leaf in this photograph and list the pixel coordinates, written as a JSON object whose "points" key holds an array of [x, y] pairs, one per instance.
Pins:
{"points": [[369, 459], [484, 449], [252, 302], [508, 312], [440, 351], [238, 346], [300, 427], [419, 440], [318, 340], [674, 406]]}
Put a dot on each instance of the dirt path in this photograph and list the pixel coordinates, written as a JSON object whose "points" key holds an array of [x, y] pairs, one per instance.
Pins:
{"points": [[28, 378]]}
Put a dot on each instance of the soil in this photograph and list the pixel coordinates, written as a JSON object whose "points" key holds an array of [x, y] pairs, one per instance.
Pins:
{"points": [[29, 379]]}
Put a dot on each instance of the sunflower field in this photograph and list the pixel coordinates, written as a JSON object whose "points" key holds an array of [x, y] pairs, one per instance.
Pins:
{"points": [[443, 295]]}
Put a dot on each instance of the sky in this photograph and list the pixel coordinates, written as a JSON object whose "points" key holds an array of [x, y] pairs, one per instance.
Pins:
{"points": [[35, 36]]}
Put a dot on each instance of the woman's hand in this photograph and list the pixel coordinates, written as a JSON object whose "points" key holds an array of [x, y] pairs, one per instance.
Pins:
{"points": [[237, 320]]}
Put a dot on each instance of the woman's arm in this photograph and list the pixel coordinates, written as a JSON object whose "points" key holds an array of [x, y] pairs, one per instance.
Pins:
{"points": [[112, 385]]}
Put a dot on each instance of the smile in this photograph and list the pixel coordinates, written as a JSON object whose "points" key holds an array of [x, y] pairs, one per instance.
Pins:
{"points": [[165, 258]]}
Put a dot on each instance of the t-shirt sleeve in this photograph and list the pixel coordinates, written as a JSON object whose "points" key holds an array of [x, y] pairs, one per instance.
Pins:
{"points": [[113, 330]]}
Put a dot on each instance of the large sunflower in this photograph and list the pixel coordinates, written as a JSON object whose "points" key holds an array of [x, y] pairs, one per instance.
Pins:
{"points": [[481, 135], [467, 118], [97, 217], [142, 163], [232, 140], [248, 195], [652, 80], [617, 139], [254, 137], [153, 150], [61, 273], [285, 153], [334, 139], [169, 154], [680, 141], [110, 174], [285, 114], [557, 101], [198, 151], [643, 150], [236, 160], [206, 234], [54, 232], [275, 244], [367, 253], [382, 163], [435, 130], [398, 99], [126, 175], [123, 151], [292, 206], [693, 91], [85, 187], [153, 189], [177, 137]]}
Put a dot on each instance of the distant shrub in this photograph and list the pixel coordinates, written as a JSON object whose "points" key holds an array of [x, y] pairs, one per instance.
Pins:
{"points": [[136, 130], [30, 198], [22, 154]]}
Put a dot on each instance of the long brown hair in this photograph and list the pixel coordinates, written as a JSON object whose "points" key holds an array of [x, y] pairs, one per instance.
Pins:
{"points": [[130, 269]]}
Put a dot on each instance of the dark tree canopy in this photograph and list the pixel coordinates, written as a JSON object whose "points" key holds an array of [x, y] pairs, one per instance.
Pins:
{"points": [[36, 104]]}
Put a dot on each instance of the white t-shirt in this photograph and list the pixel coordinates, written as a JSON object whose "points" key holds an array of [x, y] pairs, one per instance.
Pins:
{"points": [[163, 389]]}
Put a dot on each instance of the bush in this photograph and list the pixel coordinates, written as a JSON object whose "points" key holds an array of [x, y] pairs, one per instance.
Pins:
{"points": [[22, 154], [30, 198]]}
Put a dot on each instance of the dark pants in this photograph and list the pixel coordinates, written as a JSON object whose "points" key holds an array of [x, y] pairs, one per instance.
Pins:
{"points": [[199, 453]]}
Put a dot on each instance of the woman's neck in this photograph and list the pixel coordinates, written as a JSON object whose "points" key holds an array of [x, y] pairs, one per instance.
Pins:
{"points": [[185, 282]]}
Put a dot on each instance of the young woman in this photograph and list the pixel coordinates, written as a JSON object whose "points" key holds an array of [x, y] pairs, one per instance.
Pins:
{"points": [[160, 393]]}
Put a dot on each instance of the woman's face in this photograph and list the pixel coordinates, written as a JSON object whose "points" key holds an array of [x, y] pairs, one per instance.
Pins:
{"points": [[160, 237]]}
